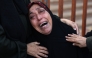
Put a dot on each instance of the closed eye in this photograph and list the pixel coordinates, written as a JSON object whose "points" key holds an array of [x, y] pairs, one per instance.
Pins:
{"points": [[32, 17], [41, 11]]}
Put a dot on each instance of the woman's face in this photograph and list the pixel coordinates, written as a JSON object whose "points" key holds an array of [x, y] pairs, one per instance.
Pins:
{"points": [[40, 19]]}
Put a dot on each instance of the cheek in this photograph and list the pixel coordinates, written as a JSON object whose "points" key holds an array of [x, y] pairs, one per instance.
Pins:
{"points": [[47, 15], [34, 23], [49, 18]]}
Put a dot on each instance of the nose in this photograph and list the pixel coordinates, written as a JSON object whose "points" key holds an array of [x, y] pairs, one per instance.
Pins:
{"points": [[39, 17]]}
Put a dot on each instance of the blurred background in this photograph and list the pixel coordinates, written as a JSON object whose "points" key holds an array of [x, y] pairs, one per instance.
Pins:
{"points": [[79, 9]]}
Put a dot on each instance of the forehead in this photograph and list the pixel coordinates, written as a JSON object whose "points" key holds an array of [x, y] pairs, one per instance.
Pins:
{"points": [[34, 7]]}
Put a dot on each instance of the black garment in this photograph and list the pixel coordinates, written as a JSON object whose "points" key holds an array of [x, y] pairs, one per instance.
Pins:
{"points": [[13, 33], [56, 42], [10, 20]]}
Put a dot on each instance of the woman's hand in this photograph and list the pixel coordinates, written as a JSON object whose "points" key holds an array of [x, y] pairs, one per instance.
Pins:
{"points": [[77, 40], [35, 50], [70, 23]]}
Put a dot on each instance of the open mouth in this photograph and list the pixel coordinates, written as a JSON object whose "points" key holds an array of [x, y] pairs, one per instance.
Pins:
{"points": [[43, 24]]}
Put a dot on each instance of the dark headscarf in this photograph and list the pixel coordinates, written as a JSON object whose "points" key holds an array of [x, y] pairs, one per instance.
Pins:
{"points": [[40, 4], [56, 42]]}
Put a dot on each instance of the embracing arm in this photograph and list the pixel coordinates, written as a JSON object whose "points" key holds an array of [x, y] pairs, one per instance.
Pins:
{"points": [[80, 41], [70, 23], [9, 48]]}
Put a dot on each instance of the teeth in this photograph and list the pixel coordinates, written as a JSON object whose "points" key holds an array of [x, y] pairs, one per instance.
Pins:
{"points": [[42, 24]]}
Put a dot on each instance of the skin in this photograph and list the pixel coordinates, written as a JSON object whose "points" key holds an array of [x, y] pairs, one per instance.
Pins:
{"points": [[77, 40], [35, 50], [40, 19]]}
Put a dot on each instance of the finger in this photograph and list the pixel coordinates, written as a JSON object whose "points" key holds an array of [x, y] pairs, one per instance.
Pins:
{"points": [[74, 35], [35, 55], [37, 43], [74, 26], [70, 35], [76, 44], [43, 51], [79, 33], [70, 39], [77, 29], [42, 54], [34, 43], [42, 48], [38, 56]]}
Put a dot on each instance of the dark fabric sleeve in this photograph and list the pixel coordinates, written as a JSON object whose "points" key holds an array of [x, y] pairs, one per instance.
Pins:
{"points": [[89, 43], [89, 34], [11, 49], [89, 40]]}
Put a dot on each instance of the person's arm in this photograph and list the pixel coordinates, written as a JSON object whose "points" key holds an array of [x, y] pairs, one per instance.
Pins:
{"points": [[89, 43], [80, 41], [11, 49], [71, 23], [77, 40]]}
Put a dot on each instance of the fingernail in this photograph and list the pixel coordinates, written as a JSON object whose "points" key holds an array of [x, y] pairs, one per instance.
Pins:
{"points": [[68, 34], [74, 28], [73, 44], [66, 39]]}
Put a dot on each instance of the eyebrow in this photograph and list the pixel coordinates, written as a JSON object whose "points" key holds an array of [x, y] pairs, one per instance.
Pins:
{"points": [[38, 8]]}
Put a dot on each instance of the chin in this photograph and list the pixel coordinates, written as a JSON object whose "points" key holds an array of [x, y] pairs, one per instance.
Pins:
{"points": [[47, 33]]}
